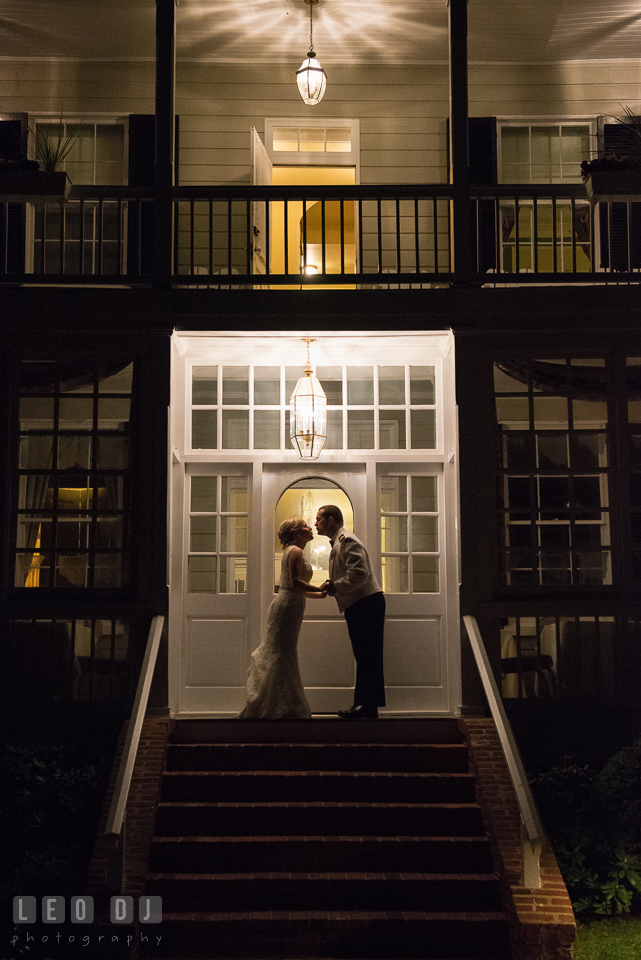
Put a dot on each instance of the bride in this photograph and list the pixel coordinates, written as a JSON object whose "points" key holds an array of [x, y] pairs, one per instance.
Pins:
{"points": [[274, 687]]}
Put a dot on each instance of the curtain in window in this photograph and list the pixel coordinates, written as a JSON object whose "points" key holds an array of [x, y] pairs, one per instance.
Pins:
{"points": [[508, 220], [34, 498], [582, 229]]}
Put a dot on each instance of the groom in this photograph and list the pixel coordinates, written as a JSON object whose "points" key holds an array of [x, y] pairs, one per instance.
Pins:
{"points": [[353, 582]]}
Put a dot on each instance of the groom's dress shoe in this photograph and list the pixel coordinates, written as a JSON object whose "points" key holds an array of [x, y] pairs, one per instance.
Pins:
{"points": [[359, 713]]}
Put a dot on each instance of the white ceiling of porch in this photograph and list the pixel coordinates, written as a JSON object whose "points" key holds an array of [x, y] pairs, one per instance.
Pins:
{"points": [[345, 31]]}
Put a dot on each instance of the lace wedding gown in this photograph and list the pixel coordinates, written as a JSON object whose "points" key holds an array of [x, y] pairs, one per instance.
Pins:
{"points": [[274, 687]]}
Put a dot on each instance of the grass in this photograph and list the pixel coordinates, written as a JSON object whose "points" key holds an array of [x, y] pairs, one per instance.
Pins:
{"points": [[609, 940]]}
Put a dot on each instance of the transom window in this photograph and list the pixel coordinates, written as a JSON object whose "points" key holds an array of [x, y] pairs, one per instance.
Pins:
{"points": [[288, 140], [312, 139], [368, 407]]}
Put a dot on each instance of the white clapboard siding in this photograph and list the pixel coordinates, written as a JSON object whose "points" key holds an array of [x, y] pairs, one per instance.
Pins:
{"points": [[575, 88], [402, 110]]}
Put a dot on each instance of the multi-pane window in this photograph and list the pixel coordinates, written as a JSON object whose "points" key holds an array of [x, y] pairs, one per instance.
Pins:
{"points": [[65, 659], [92, 231], [553, 463], [368, 407], [73, 474], [97, 150], [218, 512], [543, 153], [562, 657], [546, 239], [633, 377], [539, 236], [319, 141], [409, 533]]}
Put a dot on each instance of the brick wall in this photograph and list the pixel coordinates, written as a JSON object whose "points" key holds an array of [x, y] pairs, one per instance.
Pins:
{"points": [[542, 922], [140, 813]]}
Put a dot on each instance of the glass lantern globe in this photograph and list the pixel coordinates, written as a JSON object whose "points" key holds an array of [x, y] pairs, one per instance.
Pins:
{"points": [[308, 416], [311, 80]]}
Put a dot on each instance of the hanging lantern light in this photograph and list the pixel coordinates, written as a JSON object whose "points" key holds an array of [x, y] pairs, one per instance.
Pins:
{"points": [[310, 76], [308, 413]]}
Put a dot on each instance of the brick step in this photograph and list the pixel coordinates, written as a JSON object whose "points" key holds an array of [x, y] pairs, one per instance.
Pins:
{"points": [[356, 757], [349, 935], [391, 730], [328, 785], [325, 891], [214, 854], [344, 819]]}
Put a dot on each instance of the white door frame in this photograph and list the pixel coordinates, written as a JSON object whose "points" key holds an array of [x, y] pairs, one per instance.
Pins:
{"points": [[238, 348]]}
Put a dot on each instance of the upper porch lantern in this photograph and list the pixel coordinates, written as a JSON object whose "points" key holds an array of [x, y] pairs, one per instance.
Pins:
{"points": [[310, 76], [308, 413]]}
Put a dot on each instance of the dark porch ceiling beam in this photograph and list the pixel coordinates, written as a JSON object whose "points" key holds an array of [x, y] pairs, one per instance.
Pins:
{"points": [[459, 139], [164, 139]]}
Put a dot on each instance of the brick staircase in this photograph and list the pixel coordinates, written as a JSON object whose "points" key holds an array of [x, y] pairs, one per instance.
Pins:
{"points": [[333, 839]]}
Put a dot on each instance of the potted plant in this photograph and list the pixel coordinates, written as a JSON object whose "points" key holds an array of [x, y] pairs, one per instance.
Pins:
{"points": [[617, 176], [23, 179]]}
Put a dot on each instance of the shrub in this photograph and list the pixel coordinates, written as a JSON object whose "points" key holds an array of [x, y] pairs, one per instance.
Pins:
{"points": [[599, 853], [48, 808], [619, 791]]}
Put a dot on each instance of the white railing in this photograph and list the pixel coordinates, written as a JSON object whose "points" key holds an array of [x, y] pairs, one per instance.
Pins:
{"points": [[115, 829], [531, 828]]}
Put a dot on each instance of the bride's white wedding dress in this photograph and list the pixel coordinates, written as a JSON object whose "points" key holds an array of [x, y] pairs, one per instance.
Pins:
{"points": [[274, 687]]}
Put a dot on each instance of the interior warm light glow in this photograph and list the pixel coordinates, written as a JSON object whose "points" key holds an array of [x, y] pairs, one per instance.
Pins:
{"points": [[311, 269]]}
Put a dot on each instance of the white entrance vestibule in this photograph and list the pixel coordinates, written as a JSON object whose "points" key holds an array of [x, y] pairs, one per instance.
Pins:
{"points": [[390, 462]]}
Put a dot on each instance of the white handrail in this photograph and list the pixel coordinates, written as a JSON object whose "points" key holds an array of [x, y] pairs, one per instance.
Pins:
{"points": [[531, 828], [115, 819]]}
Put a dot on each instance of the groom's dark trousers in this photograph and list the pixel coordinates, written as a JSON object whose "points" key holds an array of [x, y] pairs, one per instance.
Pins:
{"points": [[366, 623]]}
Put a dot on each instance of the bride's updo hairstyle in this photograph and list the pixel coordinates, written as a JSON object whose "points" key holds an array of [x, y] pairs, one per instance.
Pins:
{"points": [[288, 530]]}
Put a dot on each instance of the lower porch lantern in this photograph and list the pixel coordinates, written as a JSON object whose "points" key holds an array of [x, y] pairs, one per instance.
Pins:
{"points": [[308, 413]]}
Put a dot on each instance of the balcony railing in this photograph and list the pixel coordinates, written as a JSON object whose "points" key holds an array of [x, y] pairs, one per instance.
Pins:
{"points": [[569, 656], [366, 237]]}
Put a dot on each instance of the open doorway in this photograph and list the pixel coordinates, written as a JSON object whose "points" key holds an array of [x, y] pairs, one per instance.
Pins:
{"points": [[315, 235], [319, 238]]}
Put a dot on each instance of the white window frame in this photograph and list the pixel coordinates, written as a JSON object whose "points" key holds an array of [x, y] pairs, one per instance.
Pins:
{"points": [[289, 158], [45, 117], [78, 119], [506, 122]]}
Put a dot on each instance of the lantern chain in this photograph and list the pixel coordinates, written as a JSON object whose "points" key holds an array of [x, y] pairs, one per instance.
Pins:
{"points": [[311, 4], [308, 340]]}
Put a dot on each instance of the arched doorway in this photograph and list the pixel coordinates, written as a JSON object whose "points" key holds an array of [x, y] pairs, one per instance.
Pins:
{"points": [[303, 498], [324, 651]]}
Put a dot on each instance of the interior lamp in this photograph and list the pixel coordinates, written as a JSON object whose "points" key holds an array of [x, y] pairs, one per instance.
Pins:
{"points": [[310, 76], [308, 413]]}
